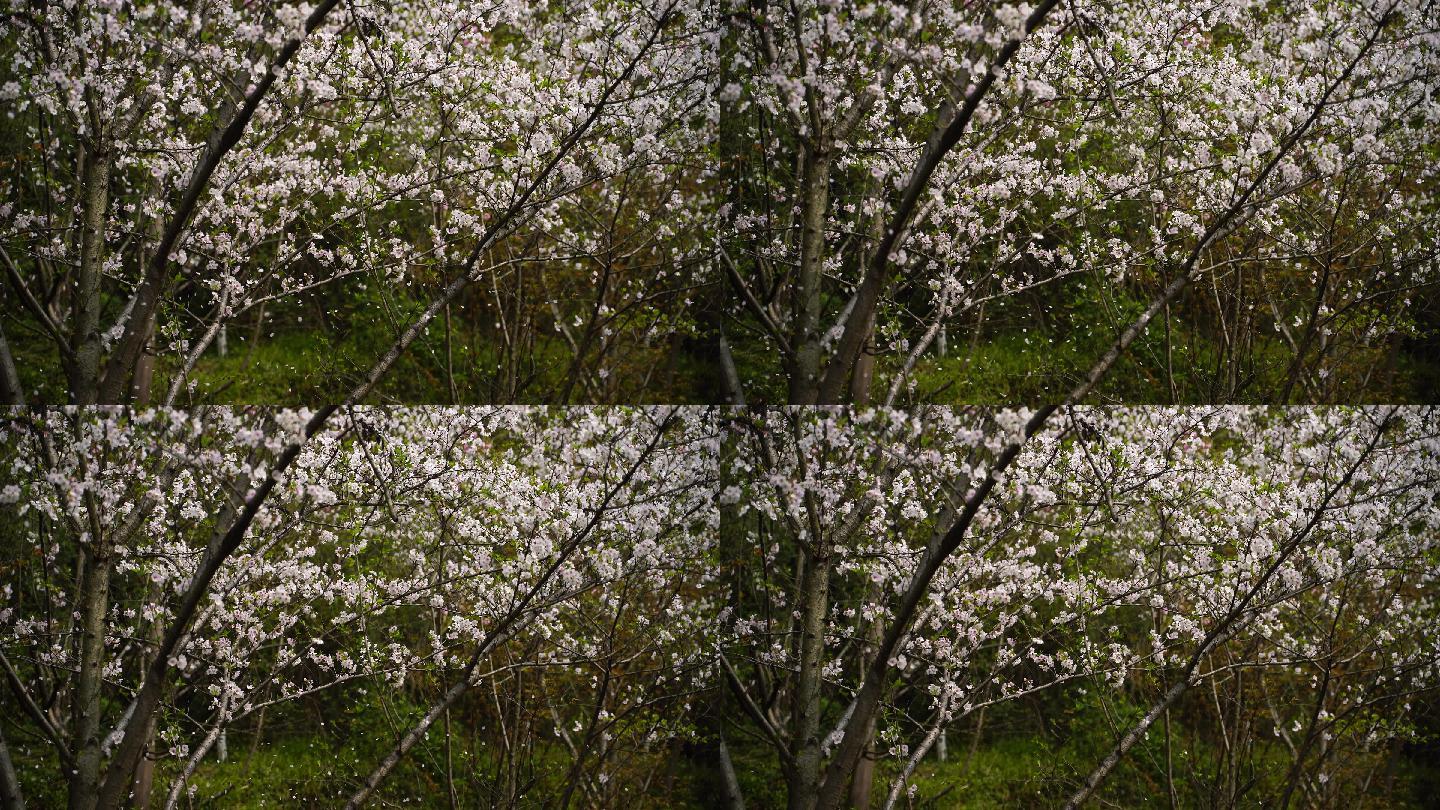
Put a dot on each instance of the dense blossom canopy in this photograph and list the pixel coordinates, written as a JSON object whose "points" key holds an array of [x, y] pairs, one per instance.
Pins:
{"points": [[234, 233], [1119, 545]]}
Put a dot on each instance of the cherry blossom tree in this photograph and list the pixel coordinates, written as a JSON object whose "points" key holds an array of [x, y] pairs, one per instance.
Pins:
{"points": [[1337, 505], [860, 502], [542, 202], [178, 169], [918, 161], [915, 568], [631, 534], [513, 531], [888, 575]]}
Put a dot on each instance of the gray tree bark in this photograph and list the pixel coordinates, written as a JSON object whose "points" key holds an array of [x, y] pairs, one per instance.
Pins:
{"points": [[11, 798], [863, 780], [10, 391], [85, 735], [805, 715], [85, 306], [815, 204], [734, 800]]}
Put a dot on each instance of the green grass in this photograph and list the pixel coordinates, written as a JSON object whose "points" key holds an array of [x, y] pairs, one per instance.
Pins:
{"points": [[1005, 773], [317, 756], [305, 771], [292, 367], [1018, 765], [310, 366]]}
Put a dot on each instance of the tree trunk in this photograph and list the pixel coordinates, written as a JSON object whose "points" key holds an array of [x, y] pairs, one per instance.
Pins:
{"points": [[734, 800], [85, 711], [144, 371], [864, 372], [805, 721], [11, 392], [815, 191], [85, 308], [145, 773], [10, 796], [863, 780]]}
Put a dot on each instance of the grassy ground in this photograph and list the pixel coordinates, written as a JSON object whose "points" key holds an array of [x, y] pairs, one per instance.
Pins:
{"points": [[316, 760], [1024, 352]]}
